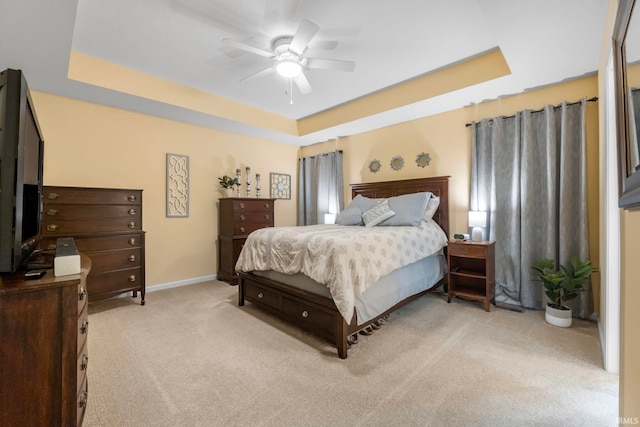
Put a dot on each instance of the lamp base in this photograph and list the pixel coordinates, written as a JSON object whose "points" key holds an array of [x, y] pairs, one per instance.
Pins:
{"points": [[476, 234]]}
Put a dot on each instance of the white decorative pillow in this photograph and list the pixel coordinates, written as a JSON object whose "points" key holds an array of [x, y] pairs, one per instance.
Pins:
{"points": [[432, 207], [377, 214]]}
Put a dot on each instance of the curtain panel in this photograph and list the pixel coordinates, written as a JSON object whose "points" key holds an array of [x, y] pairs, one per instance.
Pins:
{"points": [[320, 189], [528, 172]]}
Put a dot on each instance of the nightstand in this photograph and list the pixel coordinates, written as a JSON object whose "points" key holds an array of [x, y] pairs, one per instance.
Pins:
{"points": [[472, 271]]}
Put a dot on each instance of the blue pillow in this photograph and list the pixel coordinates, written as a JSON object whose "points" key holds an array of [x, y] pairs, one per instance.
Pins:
{"points": [[409, 209], [352, 215]]}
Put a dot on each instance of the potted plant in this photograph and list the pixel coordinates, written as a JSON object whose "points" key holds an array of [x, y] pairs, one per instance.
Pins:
{"points": [[228, 183], [562, 285]]}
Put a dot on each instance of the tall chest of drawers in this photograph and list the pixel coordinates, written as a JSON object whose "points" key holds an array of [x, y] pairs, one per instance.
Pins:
{"points": [[238, 217], [106, 225], [43, 349]]}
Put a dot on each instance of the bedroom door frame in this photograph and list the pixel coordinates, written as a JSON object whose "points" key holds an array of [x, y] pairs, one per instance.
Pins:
{"points": [[610, 281]]}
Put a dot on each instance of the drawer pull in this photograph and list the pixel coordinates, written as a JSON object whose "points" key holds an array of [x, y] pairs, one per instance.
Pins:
{"points": [[52, 212], [85, 362], [305, 313], [132, 224], [51, 246], [465, 250], [132, 211], [53, 227], [242, 218], [260, 295], [132, 278], [132, 258], [241, 205], [131, 198], [132, 241], [267, 216], [82, 294], [85, 326], [267, 205], [52, 196], [83, 399], [242, 229]]}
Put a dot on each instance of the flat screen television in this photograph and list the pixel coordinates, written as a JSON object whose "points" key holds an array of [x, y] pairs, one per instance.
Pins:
{"points": [[21, 170]]}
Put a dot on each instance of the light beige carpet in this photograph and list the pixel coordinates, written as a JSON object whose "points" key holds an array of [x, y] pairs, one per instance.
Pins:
{"points": [[192, 357]]}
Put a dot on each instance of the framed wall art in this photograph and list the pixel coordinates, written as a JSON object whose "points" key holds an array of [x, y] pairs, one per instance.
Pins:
{"points": [[177, 186], [280, 184]]}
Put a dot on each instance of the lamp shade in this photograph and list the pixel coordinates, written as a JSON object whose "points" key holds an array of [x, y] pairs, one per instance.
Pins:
{"points": [[477, 219]]}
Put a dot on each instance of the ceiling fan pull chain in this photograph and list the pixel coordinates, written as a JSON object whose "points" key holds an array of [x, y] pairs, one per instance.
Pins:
{"points": [[291, 91]]}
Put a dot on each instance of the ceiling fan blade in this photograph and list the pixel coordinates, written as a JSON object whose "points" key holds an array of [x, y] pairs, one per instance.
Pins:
{"points": [[302, 83], [331, 64], [247, 47], [323, 44], [260, 73], [303, 36]]}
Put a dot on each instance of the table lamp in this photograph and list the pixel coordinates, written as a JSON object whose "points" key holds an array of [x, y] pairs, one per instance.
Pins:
{"points": [[477, 221]]}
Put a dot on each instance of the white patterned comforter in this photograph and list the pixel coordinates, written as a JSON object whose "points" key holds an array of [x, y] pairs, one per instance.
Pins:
{"points": [[347, 259]]}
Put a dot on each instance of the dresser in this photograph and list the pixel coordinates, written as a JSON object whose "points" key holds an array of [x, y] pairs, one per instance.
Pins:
{"points": [[106, 225], [43, 349], [238, 217]]}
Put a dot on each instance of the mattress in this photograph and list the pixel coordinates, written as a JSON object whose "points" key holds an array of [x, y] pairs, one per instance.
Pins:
{"points": [[385, 293]]}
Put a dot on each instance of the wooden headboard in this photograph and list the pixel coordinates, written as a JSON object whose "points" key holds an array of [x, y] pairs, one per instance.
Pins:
{"points": [[439, 186]]}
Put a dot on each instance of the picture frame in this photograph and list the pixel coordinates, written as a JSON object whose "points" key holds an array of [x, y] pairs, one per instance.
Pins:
{"points": [[280, 186], [177, 186]]}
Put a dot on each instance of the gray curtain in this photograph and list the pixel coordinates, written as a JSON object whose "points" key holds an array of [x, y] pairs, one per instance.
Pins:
{"points": [[321, 187], [528, 172]]}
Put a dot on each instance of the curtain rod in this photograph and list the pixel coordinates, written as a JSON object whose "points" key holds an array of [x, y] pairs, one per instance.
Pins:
{"points": [[594, 99]]}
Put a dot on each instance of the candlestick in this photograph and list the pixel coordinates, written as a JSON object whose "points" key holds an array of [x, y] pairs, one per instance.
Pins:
{"points": [[258, 185], [238, 176], [248, 181]]}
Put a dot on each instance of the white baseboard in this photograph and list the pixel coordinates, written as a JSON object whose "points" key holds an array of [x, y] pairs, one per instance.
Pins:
{"points": [[179, 283]]}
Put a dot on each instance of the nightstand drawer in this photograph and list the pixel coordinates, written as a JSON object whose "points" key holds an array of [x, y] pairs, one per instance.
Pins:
{"points": [[467, 250]]}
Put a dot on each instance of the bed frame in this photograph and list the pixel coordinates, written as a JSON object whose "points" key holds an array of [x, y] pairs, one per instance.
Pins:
{"points": [[319, 314]]}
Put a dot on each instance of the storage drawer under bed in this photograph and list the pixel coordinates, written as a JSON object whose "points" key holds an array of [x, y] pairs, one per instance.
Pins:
{"points": [[306, 316]]}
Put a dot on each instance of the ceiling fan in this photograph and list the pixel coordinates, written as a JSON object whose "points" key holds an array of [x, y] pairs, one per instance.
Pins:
{"points": [[288, 56]]}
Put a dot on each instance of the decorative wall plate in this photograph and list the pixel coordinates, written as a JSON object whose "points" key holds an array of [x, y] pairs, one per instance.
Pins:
{"points": [[423, 159], [397, 163], [280, 186], [375, 166]]}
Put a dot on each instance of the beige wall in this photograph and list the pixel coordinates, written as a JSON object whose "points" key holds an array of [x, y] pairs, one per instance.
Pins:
{"points": [[448, 143], [629, 316], [90, 145]]}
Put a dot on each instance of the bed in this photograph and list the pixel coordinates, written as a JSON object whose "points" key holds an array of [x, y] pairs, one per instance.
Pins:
{"points": [[304, 302]]}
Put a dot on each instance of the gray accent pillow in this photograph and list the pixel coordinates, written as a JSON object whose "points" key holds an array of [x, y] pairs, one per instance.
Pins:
{"points": [[352, 215], [409, 209], [377, 214]]}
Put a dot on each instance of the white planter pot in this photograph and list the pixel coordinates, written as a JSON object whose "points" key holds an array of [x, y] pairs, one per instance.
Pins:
{"points": [[557, 317]]}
